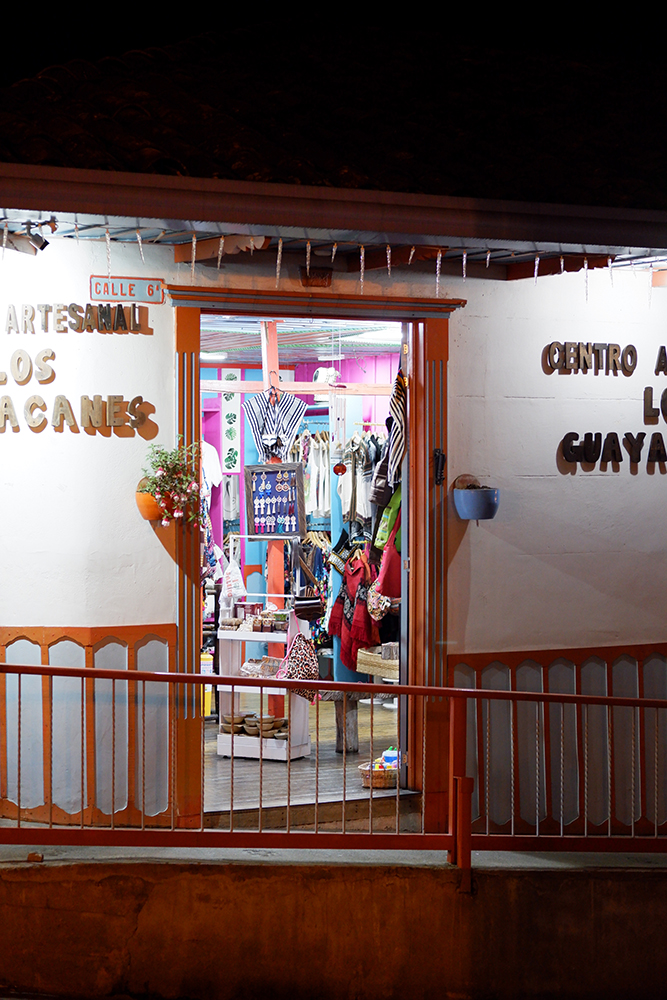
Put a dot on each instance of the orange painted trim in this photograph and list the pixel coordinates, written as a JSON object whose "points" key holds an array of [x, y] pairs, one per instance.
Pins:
{"points": [[187, 332], [47, 734], [87, 636], [428, 345], [91, 639], [188, 752], [266, 301], [3, 732], [129, 817], [545, 657], [550, 825]]}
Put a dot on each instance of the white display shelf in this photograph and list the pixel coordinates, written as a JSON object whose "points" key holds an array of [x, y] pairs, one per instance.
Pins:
{"points": [[248, 689], [272, 749], [244, 635], [255, 689], [249, 747]]}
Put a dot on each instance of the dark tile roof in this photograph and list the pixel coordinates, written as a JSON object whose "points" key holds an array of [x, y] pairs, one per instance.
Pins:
{"points": [[405, 111]]}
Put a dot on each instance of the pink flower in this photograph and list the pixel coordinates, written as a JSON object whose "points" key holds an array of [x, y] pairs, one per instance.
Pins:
{"points": [[194, 487], [178, 513], [165, 522], [159, 472]]}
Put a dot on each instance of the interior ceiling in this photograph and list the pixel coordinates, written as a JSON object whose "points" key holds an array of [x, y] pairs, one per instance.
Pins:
{"points": [[300, 340]]}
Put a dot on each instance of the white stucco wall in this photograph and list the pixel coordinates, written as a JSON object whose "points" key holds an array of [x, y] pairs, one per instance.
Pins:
{"points": [[75, 551], [575, 556]]}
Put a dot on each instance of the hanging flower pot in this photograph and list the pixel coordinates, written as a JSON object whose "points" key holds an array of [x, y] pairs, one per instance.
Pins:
{"points": [[476, 503], [148, 506], [170, 489]]}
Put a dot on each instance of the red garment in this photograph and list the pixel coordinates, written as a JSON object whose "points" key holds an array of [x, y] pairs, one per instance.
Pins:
{"points": [[389, 576], [350, 618]]}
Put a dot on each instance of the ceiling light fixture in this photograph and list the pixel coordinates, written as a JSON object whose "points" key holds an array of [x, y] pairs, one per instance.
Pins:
{"points": [[213, 355], [36, 239]]}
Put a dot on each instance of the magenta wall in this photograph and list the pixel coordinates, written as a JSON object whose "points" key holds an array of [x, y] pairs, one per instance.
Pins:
{"points": [[374, 370]]}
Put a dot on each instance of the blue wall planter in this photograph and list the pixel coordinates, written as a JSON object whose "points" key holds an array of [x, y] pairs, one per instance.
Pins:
{"points": [[476, 505]]}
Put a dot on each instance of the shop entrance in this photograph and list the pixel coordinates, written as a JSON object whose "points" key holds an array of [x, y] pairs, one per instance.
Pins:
{"points": [[309, 507], [424, 555]]}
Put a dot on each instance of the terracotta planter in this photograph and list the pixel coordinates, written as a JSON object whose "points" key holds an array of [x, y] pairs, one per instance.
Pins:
{"points": [[148, 506]]}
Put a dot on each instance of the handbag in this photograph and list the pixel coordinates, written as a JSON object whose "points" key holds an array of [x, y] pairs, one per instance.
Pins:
{"points": [[378, 605], [389, 577], [309, 605], [381, 492], [387, 520], [340, 553], [300, 664]]}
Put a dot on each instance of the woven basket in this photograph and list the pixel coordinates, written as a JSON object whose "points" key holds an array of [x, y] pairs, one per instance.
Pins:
{"points": [[370, 662], [380, 779]]}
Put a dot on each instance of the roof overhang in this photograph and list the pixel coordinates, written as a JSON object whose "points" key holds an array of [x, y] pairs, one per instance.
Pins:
{"points": [[126, 201]]}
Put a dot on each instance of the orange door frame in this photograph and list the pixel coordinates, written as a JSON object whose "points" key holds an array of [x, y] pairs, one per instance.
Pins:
{"points": [[427, 544]]}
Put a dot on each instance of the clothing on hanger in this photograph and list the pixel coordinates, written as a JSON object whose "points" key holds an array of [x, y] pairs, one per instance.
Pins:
{"points": [[354, 487], [209, 561], [274, 417], [231, 502], [398, 408], [349, 617], [211, 463]]}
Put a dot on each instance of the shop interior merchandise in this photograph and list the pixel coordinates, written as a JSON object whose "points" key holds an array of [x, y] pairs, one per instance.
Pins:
{"points": [[302, 493]]}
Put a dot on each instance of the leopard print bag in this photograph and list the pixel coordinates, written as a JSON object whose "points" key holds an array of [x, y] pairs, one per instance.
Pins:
{"points": [[300, 664]]}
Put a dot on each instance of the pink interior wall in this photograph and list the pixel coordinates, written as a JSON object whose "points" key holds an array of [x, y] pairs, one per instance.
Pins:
{"points": [[211, 431], [375, 370]]}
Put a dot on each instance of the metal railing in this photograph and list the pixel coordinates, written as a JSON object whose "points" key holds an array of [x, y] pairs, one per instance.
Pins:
{"points": [[103, 756], [100, 756], [566, 772]]}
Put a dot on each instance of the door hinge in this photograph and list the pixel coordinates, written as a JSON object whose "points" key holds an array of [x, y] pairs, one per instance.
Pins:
{"points": [[406, 565]]}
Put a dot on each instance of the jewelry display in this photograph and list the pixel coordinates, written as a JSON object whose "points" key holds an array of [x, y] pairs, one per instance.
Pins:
{"points": [[274, 500]]}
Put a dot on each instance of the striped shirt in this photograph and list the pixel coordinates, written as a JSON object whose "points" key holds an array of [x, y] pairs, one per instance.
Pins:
{"points": [[398, 408], [274, 424]]}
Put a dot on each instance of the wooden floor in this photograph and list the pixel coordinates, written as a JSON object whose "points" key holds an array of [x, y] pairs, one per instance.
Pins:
{"points": [[324, 777]]}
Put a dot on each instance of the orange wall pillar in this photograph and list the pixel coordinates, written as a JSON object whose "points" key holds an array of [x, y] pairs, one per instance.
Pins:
{"points": [[427, 419], [188, 721]]}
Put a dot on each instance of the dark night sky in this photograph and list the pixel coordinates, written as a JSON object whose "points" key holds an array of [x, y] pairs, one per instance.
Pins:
{"points": [[486, 109], [631, 49]]}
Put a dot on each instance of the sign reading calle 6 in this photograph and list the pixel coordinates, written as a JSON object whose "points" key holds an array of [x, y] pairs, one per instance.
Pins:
{"points": [[118, 289]]}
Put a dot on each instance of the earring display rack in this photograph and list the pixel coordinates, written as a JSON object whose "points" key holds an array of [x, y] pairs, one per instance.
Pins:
{"points": [[274, 501]]}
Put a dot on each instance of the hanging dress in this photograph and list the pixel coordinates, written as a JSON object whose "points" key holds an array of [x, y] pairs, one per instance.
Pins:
{"points": [[350, 618]]}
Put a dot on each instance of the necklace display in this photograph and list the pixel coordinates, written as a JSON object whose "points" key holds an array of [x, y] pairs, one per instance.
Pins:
{"points": [[276, 501]]}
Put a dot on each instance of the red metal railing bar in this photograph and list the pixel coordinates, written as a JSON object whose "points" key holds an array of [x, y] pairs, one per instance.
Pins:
{"points": [[180, 837], [18, 759], [370, 796], [317, 763], [459, 839], [344, 756], [398, 769], [288, 816], [464, 788], [83, 731], [355, 687]]}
